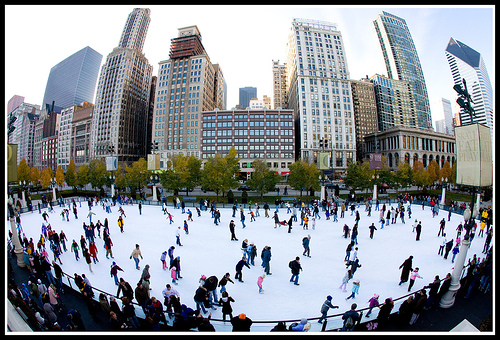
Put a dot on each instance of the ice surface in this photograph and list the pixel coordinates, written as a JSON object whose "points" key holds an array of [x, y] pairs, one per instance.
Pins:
{"points": [[208, 250]]}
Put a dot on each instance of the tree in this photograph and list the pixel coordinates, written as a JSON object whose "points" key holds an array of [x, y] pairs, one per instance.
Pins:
{"points": [[445, 172], [137, 174], [97, 173], [46, 177], [421, 176], [59, 176], [404, 175], [83, 177], [184, 172], [433, 169], [218, 172], [70, 177], [263, 179], [304, 176], [23, 171], [35, 176]]}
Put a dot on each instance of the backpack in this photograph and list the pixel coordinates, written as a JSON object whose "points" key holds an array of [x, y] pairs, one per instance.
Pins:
{"points": [[290, 264], [349, 322]]}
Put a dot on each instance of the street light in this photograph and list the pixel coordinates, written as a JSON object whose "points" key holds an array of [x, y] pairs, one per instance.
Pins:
{"points": [[53, 184], [112, 179], [154, 179], [444, 182], [375, 178]]}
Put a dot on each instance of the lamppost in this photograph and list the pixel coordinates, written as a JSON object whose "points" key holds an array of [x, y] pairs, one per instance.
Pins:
{"points": [[22, 185], [18, 249], [53, 184], [444, 183], [154, 179], [375, 178], [112, 179], [448, 298]]}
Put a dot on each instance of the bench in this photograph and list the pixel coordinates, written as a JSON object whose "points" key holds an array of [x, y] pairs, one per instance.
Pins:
{"points": [[188, 198]]}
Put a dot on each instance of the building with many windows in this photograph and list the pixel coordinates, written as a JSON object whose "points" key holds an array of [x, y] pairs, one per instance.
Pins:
{"points": [[365, 111], [404, 144], [119, 122], [268, 135], [26, 116], [246, 94], [319, 92], [188, 84], [402, 63], [80, 134], [466, 63], [442, 107], [279, 85], [73, 80]]}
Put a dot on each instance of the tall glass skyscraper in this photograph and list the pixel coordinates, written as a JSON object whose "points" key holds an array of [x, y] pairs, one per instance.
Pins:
{"points": [[73, 80], [247, 93], [123, 95], [402, 62], [466, 63]]}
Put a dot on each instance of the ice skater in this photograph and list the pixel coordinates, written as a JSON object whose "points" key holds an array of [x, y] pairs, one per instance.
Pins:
{"points": [[325, 307], [355, 290], [407, 268], [260, 279], [413, 276]]}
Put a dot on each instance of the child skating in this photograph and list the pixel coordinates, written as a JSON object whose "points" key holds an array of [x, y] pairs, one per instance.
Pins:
{"points": [[260, 279]]}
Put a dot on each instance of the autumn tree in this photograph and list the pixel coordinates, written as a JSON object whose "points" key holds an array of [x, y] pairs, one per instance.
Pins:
{"points": [[304, 176], [83, 176], [23, 171], [71, 177], [263, 179]]}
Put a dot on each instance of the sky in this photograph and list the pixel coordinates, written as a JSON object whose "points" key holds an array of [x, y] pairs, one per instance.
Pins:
{"points": [[208, 250], [242, 39]]}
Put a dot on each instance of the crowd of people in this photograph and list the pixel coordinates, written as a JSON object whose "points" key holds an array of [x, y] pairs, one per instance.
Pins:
{"points": [[45, 303]]}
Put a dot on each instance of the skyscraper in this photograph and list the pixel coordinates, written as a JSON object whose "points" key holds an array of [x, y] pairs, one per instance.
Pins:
{"points": [[466, 63], [402, 62], [319, 92], [188, 83], [279, 85], [247, 93], [442, 107], [73, 80], [122, 99]]}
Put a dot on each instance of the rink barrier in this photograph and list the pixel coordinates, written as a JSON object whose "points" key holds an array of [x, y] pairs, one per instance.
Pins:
{"points": [[333, 321]]}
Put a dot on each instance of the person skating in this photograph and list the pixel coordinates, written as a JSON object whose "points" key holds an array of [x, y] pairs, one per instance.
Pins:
{"points": [[260, 279], [239, 268], [295, 268], [372, 229], [325, 307], [418, 229], [305, 243], [135, 254], [413, 276], [355, 289], [266, 259], [231, 229], [225, 302], [372, 303], [407, 268]]}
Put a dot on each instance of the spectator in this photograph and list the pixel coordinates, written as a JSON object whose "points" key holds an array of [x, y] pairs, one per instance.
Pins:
{"points": [[241, 323], [350, 318]]}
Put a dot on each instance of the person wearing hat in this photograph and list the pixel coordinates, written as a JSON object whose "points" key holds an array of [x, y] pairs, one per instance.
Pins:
{"points": [[325, 307], [355, 289], [114, 271], [241, 323], [372, 303], [303, 326]]}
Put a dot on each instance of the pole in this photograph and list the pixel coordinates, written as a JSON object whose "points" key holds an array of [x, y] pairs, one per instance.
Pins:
{"points": [[448, 298], [18, 249]]}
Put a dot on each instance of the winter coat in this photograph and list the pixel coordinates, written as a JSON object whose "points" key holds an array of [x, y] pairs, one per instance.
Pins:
{"points": [[326, 306], [295, 267], [240, 264], [200, 295], [406, 269], [211, 283], [260, 279], [226, 304]]}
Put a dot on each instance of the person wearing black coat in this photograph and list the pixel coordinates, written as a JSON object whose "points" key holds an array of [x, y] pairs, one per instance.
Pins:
{"points": [[385, 312], [295, 268], [241, 323], [211, 286], [239, 267], [407, 268], [126, 288], [433, 292], [200, 298]]}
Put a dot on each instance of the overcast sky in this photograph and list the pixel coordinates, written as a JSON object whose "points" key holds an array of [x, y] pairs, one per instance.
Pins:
{"points": [[243, 40]]}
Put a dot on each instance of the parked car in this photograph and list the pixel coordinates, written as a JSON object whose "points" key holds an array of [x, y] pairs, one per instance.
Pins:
{"points": [[243, 188]]}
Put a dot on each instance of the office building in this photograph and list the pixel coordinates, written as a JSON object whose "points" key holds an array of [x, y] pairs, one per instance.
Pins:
{"points": [[365, 111], [188, 84], [23, 135], [395, 103], [14, 102], [466, 63], [80, 134], [404, 144], [246, 94], [267, 135], [119, 122], [73, 80], [279, 85], [319, 92], [402, 63], [442, 107]]}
